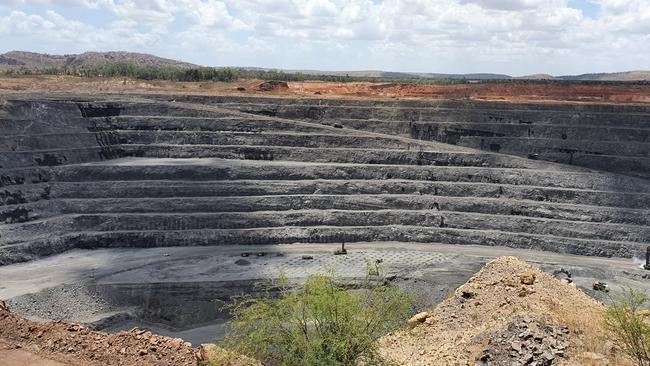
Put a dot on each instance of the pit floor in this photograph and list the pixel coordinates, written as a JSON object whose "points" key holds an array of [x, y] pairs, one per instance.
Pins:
{"points": [[57, 287]]}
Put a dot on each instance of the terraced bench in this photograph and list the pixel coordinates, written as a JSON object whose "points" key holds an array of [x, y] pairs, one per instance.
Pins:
{"points": [[605, 137], [228, 170]]}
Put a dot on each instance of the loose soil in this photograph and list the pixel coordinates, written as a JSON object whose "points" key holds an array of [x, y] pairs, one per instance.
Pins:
{"points": [[509, 313]]}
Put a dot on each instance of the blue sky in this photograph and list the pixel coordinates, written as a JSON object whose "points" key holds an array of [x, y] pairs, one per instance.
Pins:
{"points": [[516, 37], [589, 8]]}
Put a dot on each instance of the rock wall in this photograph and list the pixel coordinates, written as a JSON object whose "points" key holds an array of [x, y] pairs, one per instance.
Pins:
{"points": [[606, 137]]}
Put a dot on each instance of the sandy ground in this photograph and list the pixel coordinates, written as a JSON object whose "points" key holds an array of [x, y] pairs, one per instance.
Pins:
{"points": [[58, 287]]}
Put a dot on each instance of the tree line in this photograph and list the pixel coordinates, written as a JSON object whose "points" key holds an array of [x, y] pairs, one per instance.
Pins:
{"points": [[129, 70], [198, 74], [229, 74]]}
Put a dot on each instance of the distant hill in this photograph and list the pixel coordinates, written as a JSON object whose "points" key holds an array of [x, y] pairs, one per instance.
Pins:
{"points": [[615, 76], [397, 75], [482, 76], [40, 60], [618, 76], [536, 77]]}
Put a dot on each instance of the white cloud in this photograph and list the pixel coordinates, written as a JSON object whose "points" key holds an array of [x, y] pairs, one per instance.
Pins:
{"points": [[92, 4], [156, 13], [514, 36], [506, 4], [632, 16], [36, 26], [211, 14]]}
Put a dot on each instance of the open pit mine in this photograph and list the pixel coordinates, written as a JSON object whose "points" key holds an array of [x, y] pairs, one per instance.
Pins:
{"points": [[152, 210]]}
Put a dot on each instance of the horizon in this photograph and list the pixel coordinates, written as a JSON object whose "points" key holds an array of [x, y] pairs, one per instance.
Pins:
{"points": [[512, 37], [331, 71]]}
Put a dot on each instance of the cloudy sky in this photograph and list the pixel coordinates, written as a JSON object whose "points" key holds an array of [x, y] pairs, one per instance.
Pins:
{"points": [[515, 37]]}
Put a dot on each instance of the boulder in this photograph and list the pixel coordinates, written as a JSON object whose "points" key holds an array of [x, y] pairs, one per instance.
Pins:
{"points": [[601, 286], [527, 278], [525, 291], [417, 319], [242, 262]]}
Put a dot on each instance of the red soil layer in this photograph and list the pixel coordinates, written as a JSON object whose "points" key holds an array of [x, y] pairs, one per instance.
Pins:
{"points": [[512, 92]]}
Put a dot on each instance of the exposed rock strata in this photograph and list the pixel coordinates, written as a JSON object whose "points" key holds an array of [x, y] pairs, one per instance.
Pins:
{"points": [[226, 170]]}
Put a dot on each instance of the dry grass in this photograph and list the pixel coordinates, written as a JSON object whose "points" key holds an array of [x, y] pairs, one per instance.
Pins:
{"points": [[588, 337], [216, 356]]}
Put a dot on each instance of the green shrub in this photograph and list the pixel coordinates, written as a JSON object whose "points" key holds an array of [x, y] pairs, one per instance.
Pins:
{"points": [[319, 323], [627, 327]]}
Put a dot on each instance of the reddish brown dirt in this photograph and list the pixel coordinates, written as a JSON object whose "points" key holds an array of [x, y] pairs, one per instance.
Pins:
{"points": [[510, 92], [24, 342], [19, 357]]}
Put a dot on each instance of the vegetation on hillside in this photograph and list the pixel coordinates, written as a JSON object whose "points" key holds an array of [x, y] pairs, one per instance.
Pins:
{"points": [[320, 323], [122, 69], [224, 74], [228, 74], [627, 325]]}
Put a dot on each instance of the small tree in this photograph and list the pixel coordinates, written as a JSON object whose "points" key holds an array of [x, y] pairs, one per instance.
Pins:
{"points": [[319, 323], [627, 327]]}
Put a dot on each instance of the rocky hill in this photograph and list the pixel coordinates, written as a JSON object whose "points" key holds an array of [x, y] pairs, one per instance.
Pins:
{"points": [[39, 60]]}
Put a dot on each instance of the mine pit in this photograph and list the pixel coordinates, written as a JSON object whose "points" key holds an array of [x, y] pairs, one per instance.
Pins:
{"points": [[129, 211]]}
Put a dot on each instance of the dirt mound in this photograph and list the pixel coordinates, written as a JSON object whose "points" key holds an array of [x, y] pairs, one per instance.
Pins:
{"points": [[273, 85], [509, 313], [58, 343]]}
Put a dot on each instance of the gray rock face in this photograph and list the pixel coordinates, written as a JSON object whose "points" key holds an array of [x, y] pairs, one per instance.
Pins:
{"points": [[605, 137], [81, 173], [527, 342]]}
